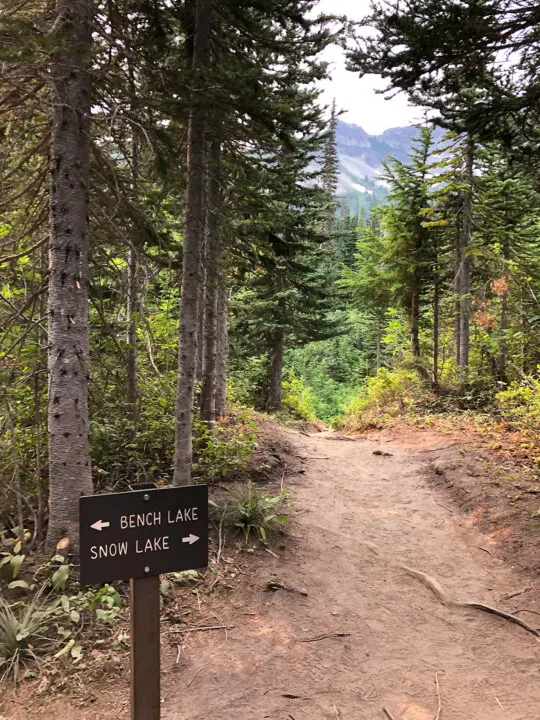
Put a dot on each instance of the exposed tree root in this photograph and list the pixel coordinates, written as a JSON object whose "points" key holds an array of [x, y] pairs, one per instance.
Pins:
{"points": [[436, 589]]}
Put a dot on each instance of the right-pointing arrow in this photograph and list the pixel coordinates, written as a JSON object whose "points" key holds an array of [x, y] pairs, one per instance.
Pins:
{"points": [[190, 539]]}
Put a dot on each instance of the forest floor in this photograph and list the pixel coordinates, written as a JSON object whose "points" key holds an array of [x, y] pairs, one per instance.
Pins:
{"points": [[393, 532]]}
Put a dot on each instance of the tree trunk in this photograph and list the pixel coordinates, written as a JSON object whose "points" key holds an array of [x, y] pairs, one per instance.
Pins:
{"points": [[201, 312], [222, 346], [436, 293], [457, 292], [276, 374], [213, 261], [465, 270], [504, 317], [131, 338], [68, 361], [503, 332], [132, 305], [415, 322], [193, 238]]}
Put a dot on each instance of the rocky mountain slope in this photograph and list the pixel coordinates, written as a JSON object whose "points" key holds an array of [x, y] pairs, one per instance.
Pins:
{"points": [[361, 158]]}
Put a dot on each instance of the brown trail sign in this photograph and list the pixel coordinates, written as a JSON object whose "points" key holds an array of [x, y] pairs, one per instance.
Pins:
{"points": [[139, 535]]}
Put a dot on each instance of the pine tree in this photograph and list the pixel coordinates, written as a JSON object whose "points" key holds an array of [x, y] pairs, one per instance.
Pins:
{"points": [[193, 238], [445, 55]]}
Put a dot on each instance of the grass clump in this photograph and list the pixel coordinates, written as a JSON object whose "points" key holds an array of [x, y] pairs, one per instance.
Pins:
{"points": [[23, 634], [254, 512]]}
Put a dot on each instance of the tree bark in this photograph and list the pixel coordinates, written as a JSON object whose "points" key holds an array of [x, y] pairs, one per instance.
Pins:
{"points": [[68, 343], [415, 321], [436, 299], [504, 317], [193, 237], [132, 309], [222, 348], [465, 270], [213, 262], [503, 332], [132, 305], [276, 373], [201, 313]]}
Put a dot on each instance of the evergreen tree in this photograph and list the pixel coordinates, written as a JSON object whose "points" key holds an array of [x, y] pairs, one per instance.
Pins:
{"points": [[445, 54]]}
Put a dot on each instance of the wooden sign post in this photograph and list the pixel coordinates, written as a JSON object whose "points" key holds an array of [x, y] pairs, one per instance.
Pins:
{"points": [[139, 535]]}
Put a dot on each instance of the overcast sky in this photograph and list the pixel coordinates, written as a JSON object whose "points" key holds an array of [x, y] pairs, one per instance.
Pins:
{"points": [[363, 106]]}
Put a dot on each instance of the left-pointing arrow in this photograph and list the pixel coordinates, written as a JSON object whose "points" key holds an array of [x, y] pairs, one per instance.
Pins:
{"points": [[99, 525]]}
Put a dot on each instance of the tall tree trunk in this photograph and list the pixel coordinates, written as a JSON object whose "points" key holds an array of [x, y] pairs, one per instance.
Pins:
{"points": [[415, 321], [37, 386], [436, 299], [464, 320], [276, 373], [193, 238], [132, 305], [213, 262], [503, 328], [68, 344], [501, 363], [457, 293], [201, 309], [222, 346], [131, 337]]}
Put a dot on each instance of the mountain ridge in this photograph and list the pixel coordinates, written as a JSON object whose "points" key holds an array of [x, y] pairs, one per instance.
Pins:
{"points": [[361, 157]]}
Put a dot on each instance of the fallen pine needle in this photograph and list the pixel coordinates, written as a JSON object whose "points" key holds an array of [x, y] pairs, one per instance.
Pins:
{"points": [[388, 714], [197, 673]]}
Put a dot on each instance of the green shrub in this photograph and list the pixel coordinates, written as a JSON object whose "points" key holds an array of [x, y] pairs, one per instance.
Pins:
{"points": [[389, 393], [519, 405], [297, 399], [224, 450]]}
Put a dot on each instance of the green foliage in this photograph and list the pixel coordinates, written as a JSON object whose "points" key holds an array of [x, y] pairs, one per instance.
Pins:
{"points": [[297, 399], [333, 370], [519, 406], [11, 554], [388, 393], [254, 512], [220, 452]]}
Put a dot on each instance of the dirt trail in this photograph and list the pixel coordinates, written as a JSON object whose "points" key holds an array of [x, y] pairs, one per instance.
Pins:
{"points": [[368, 635]]}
